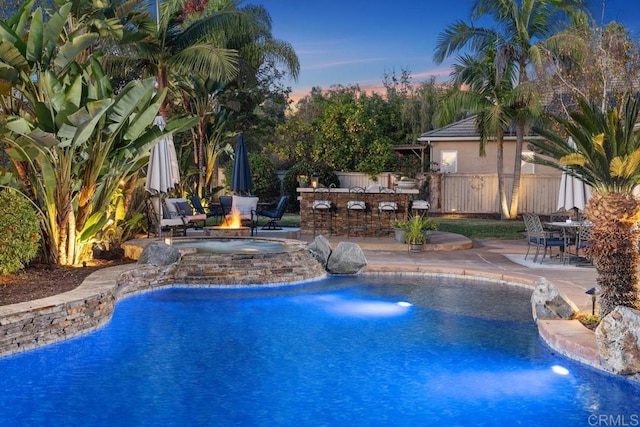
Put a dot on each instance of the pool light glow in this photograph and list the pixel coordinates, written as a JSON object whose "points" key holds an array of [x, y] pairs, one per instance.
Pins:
{"points": [[560, 370]]}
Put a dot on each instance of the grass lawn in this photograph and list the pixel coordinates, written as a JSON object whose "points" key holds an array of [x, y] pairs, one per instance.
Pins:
{"points": [[473, 228], [478, 228]]}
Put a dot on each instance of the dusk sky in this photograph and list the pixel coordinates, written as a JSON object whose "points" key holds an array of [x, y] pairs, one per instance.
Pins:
{"points": [[356, 41]]}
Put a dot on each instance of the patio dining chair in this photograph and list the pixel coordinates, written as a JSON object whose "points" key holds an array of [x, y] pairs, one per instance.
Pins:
{"points": [[322, 210], [540, 238], [357, 211], [387, 211], [274, 215], [582, 243]]}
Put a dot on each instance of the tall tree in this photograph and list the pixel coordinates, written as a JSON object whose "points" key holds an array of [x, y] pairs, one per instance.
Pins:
{"points": [[607, 156], [603, 65], [523, 27]]}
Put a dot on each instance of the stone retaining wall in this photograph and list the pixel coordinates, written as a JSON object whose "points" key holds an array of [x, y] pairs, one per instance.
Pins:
{"points": [[32, 324]]}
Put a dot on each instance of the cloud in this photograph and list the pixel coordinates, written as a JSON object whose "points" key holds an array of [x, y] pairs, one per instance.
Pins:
{"points": [[325, 65]]}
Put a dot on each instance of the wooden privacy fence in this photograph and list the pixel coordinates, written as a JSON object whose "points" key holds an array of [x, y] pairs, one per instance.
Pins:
{"points": [[478, 193]]}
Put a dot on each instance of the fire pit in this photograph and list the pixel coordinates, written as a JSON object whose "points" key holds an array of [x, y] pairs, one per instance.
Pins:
{"points": [[230, 227], [226, 232]]}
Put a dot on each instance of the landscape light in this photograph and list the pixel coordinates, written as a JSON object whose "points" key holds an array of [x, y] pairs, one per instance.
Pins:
{"points": [[592, 292]]}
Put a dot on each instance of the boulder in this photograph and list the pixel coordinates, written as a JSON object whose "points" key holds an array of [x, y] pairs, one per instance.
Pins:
{"points": [[547, 302], [320, 248], [159, 254], [618, 340], [346, 258]]}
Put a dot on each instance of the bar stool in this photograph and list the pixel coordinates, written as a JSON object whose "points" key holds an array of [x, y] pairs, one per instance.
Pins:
{"points": [[420, 207], [387, 210], [356, 211], [322, 210]]}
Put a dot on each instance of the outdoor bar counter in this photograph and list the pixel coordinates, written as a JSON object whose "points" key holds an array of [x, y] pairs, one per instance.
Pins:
{"points": [[367, 223]]}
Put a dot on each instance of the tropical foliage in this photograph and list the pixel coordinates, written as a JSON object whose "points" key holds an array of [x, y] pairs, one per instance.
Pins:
{"points": [[607, 156], [72, 140], [213, 57]]}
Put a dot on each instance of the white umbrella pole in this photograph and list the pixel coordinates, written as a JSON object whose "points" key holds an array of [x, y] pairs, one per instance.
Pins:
{"points": [[157, 208]]}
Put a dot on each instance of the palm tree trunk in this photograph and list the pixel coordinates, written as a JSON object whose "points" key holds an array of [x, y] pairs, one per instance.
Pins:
{"points": [[517, 172], [504, 210], [614, 248]]}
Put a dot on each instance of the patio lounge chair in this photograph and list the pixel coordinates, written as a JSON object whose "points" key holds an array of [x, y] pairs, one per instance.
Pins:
{"points": [[246, 206], [180, 207], [167, 223], [197, 206], [225, 204], [275, 215]]}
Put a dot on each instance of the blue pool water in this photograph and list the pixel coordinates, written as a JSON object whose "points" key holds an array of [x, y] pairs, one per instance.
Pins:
{"points": [[342, 351]]}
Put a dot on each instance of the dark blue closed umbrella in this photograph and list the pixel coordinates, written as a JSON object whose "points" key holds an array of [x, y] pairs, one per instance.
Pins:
{"points": [[241, 177]]}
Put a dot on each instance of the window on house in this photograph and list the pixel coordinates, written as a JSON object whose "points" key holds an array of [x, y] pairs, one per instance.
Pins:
{"points": [[526, 167], [448, 161]]}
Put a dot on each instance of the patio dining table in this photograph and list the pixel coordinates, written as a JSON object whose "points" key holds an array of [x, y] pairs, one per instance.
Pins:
{"points": [[569, 230]]}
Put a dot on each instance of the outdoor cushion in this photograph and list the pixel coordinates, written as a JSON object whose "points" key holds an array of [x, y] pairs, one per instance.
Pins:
{"points": [[246, 206], [171, 204], [184, 208], [356, 204], [388, 206], [169, 210], [420, 204], [321, 204]]}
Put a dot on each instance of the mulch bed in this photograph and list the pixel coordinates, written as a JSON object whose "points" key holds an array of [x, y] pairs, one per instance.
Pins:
{"points": [[41, 281]]}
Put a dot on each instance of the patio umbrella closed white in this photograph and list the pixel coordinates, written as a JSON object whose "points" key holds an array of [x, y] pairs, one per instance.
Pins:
{"points": [[574, 192], [162, 173]]}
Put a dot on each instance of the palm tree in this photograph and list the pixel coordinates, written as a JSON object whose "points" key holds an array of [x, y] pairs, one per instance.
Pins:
{"points": [[490, 95], [524, 26], [608, 158], [217, 44]]}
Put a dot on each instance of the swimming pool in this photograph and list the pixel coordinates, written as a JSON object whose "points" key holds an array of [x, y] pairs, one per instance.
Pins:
{"points": [[341, 351]]}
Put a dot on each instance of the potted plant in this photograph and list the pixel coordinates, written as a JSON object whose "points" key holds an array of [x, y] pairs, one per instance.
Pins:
{"points": [[399, 229], [406, 182], [428, 225], [415, 236], [303, 180]]}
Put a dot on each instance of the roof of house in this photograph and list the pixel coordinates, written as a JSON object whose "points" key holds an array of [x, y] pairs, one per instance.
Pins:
{"points": [[462, 130]]}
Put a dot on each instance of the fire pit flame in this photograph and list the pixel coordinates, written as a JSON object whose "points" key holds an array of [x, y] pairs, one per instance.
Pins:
{"points": [[232, 221]]}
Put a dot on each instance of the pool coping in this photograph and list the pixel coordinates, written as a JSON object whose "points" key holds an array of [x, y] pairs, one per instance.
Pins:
{"points": [[91, 305]]}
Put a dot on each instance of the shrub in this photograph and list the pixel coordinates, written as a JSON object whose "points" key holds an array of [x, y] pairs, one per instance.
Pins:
{"points": [[266, 184], [19, 234], [326, 176]]}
